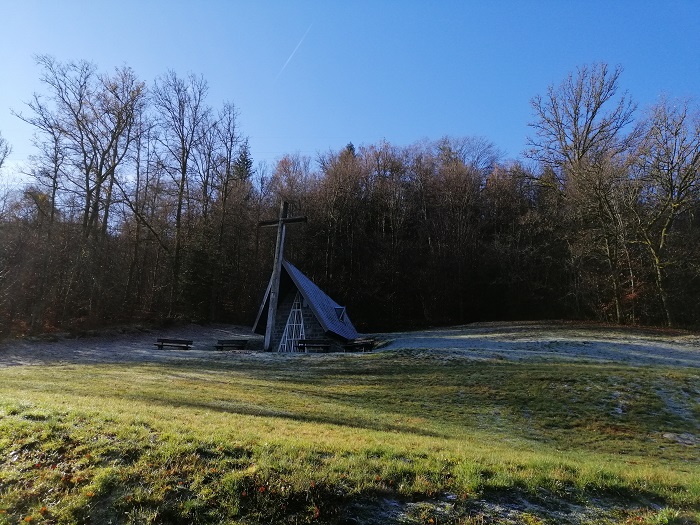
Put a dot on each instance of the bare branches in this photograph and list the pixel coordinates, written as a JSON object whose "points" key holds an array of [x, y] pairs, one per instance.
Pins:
{"points": [[581, 121], [87, 124], [145, 206], [5, 150]]}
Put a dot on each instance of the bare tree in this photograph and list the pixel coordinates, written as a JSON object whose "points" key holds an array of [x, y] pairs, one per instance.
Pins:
{"points": [[5, 150], [338, 203], [479, 154], [84, 130], [181, 113], [582, 121], [231, 144], [668, 184], [90, 127], [583, 134]]}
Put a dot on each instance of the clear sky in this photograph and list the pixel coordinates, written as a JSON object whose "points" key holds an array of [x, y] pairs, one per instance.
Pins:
{"points": [[310, 76]]}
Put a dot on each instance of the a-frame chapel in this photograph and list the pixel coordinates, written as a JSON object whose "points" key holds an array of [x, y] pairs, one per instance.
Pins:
{"points": [[296, 315], [304, 313]]}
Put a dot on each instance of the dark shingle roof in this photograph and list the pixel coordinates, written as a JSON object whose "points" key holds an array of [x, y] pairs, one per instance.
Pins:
{"points": [[331, 316]]}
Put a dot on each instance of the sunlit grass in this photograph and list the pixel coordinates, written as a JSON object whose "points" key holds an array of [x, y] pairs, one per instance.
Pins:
{"points": [[293, 438]]}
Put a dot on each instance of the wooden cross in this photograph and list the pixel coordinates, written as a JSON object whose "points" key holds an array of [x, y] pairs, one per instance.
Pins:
{"points": [[280, 224]]}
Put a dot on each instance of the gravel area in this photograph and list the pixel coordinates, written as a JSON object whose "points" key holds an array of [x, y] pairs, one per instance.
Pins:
{"points": [[555, 341], [126, 345], [503, 341]]}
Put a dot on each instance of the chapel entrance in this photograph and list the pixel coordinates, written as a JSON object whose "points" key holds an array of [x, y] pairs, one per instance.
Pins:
{"points": [[294, 329]]}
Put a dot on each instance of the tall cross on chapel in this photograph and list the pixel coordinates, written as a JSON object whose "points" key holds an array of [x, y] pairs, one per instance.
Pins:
{"points": [[280, 224]]}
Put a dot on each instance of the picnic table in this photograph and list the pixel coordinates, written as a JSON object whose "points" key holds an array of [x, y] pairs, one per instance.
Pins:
{"points": [[179, 343], [359, 345], [320, 345], [234, 344]]}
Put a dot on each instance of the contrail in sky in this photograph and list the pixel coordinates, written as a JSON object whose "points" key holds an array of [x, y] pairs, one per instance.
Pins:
{"points": [[293, 53]]}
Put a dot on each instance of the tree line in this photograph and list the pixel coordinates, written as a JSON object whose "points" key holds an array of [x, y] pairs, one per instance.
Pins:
{"points": [[144, 203]]}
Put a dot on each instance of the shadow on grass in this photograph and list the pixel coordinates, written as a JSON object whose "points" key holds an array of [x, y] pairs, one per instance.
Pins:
{"points": [[244, 409], [593, 405]]}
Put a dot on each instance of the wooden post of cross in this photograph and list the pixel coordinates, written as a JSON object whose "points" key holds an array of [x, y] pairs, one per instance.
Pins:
{"points": [[280, 224]]}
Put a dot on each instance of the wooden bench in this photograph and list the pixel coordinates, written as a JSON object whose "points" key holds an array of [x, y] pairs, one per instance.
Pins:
{"points": [[179, 343], [233, 344], [359, 345], [320, 345]]}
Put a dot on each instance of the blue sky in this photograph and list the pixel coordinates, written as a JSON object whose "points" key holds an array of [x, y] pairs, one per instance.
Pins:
{"points": [[311, 76]]}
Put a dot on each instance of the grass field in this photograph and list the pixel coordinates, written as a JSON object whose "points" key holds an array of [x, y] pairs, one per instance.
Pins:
{"points": [[386, 437]]}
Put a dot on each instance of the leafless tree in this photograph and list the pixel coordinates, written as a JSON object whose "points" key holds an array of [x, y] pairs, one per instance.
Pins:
{"points": [[583, 132], [90, 127], [668, 184], [581, 122], [84, 128], [181, 114], [5, 150]]}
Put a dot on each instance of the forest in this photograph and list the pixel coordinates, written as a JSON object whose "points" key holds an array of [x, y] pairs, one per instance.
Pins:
{"points": [[144, 202]]}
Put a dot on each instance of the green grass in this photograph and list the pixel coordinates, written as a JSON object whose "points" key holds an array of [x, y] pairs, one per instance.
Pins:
{"points": [[295, 439]]}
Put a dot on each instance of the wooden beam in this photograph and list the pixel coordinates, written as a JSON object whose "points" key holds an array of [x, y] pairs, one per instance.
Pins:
{"points": [[280, 223], [276, 222]]}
